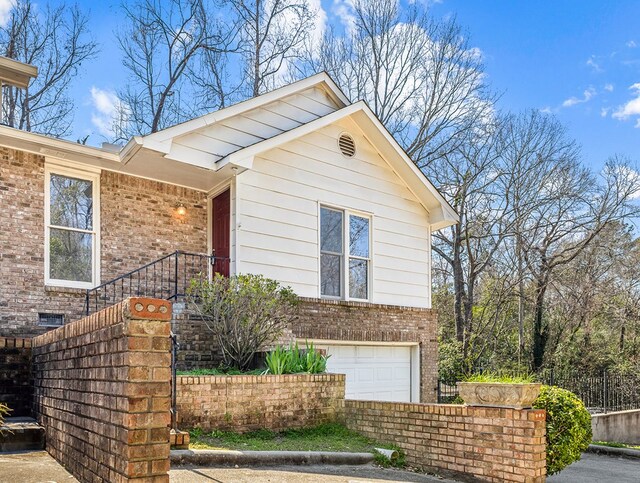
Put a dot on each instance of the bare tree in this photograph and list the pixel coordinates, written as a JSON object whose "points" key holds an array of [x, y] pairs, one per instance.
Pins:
{"points": [[559, 206], [468, 176], [57, 41], [418, 74], [272, 33], [161, 45]]}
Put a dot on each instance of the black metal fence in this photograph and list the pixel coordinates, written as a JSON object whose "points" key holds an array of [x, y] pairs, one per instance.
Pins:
{"points": [[601, 393]]}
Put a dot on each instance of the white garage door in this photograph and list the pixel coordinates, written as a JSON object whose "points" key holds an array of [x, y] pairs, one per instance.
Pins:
{"points": [[374, 373]]}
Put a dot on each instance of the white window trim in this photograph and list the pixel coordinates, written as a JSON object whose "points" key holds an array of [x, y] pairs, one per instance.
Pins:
{"points": [[344, 275], [68, 169]]}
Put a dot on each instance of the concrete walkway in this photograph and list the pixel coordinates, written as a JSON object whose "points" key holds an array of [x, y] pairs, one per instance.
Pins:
{"points": [[32, 467], [299, 474]]}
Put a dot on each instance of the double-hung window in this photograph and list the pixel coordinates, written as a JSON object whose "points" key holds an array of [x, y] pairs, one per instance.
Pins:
{"points": [[345, 252], [72, 227]]}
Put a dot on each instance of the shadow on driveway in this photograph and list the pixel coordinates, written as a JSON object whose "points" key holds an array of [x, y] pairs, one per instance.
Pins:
{"points": [[595, 468]]}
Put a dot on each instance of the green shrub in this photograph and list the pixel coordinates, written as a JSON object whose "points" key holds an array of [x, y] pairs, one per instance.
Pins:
{"points": [[450, 362], [501, 378], [568, 427], [4, 410], [244, 312], [292, 360]]}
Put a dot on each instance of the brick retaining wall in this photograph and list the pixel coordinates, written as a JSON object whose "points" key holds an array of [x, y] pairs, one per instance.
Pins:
{"points": [[102, 392], [244, 403], [16, 390], [485, 444]]}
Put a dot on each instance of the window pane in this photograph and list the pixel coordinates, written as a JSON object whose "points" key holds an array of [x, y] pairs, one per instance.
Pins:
{"points": [[70, 255], [71, 202], [330, 230], [358, 275], [359, 236], [330, 275]]}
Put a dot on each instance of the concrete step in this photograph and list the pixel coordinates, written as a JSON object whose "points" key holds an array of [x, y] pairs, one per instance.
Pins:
{"points": [[21, 434]]}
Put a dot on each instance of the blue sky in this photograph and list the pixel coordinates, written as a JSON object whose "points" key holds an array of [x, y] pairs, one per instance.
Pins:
{"points": [[576, 59]]}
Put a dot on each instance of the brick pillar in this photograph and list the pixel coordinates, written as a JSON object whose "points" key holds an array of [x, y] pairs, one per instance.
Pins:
{"points": [[148, 389]]}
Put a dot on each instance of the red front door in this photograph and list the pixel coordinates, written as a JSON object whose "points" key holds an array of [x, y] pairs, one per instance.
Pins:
{"points": [[221, 209]]}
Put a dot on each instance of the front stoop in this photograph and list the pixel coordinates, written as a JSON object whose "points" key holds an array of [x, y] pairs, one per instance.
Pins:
{"points": [[21, 434], [179, 439]]}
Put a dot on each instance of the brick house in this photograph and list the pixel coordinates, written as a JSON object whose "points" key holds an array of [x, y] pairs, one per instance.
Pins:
{"points": [[299, 185]]}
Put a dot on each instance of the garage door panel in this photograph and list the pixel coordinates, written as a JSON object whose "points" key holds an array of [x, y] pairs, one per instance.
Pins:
{"points": [[379, 373]]}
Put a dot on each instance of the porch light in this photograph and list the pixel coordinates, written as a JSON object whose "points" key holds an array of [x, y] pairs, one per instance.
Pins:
{"points": [[181, 210]]}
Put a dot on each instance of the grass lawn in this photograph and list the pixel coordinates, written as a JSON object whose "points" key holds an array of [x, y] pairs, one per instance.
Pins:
{"points": [[615, 445], [326, 437]]}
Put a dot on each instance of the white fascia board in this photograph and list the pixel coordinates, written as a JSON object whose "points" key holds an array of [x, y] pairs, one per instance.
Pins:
{"points": [[447, 213], [49, 146], [321, 79]]}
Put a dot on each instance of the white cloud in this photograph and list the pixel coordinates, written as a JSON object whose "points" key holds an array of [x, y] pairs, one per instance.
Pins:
{"points": [[107, 109], [631, 108], [587, 96], [631, 44], [591, 62], [5, 11], [343, 9], [320, 23], [546, 110], [604, 112], [608, 87]]}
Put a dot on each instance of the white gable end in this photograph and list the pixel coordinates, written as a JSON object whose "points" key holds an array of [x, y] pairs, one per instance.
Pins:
{"points": [[277, 211]]}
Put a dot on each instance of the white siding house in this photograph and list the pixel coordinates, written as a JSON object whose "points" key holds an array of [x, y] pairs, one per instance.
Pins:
{"points": [[278, 216]]}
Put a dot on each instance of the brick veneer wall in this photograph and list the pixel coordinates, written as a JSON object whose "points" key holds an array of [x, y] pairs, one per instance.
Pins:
{"points": [[138, 225], [16, 390], [488, 444], [359, 321], [244, 403], [102, 392]]}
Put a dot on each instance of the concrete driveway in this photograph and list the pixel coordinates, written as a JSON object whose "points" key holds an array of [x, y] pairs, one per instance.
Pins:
{"points": [[32, 467], [299, 474], [595, 468]]}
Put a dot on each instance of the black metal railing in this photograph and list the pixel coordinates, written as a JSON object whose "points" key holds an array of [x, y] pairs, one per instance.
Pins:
{"points": [[166, 278], [601, 392]]}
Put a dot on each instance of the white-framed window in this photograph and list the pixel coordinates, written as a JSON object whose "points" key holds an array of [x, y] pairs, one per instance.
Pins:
{"points": [[72, 227], [345, 254]]}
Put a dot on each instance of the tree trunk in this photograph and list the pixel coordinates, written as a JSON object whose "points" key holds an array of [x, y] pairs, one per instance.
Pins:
{"points": [[520, 295], [458, 287], [540, 330]]}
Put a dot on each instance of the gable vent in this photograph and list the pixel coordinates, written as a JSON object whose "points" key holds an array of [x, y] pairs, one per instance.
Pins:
{"points": [[347, 145]]}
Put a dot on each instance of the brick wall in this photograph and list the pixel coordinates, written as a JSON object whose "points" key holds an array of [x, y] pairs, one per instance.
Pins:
{"points": [[488, 444], [197, 347], [138, 225], [358, 321], [244, 403], [16, 390], [102, 392]]}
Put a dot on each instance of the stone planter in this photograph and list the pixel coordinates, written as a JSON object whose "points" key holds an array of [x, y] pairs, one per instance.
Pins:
{"points": [[499, 394]]}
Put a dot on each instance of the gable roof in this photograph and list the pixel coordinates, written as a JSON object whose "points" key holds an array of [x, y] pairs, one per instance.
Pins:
{"points": [[321, 80], [441, 213]]}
